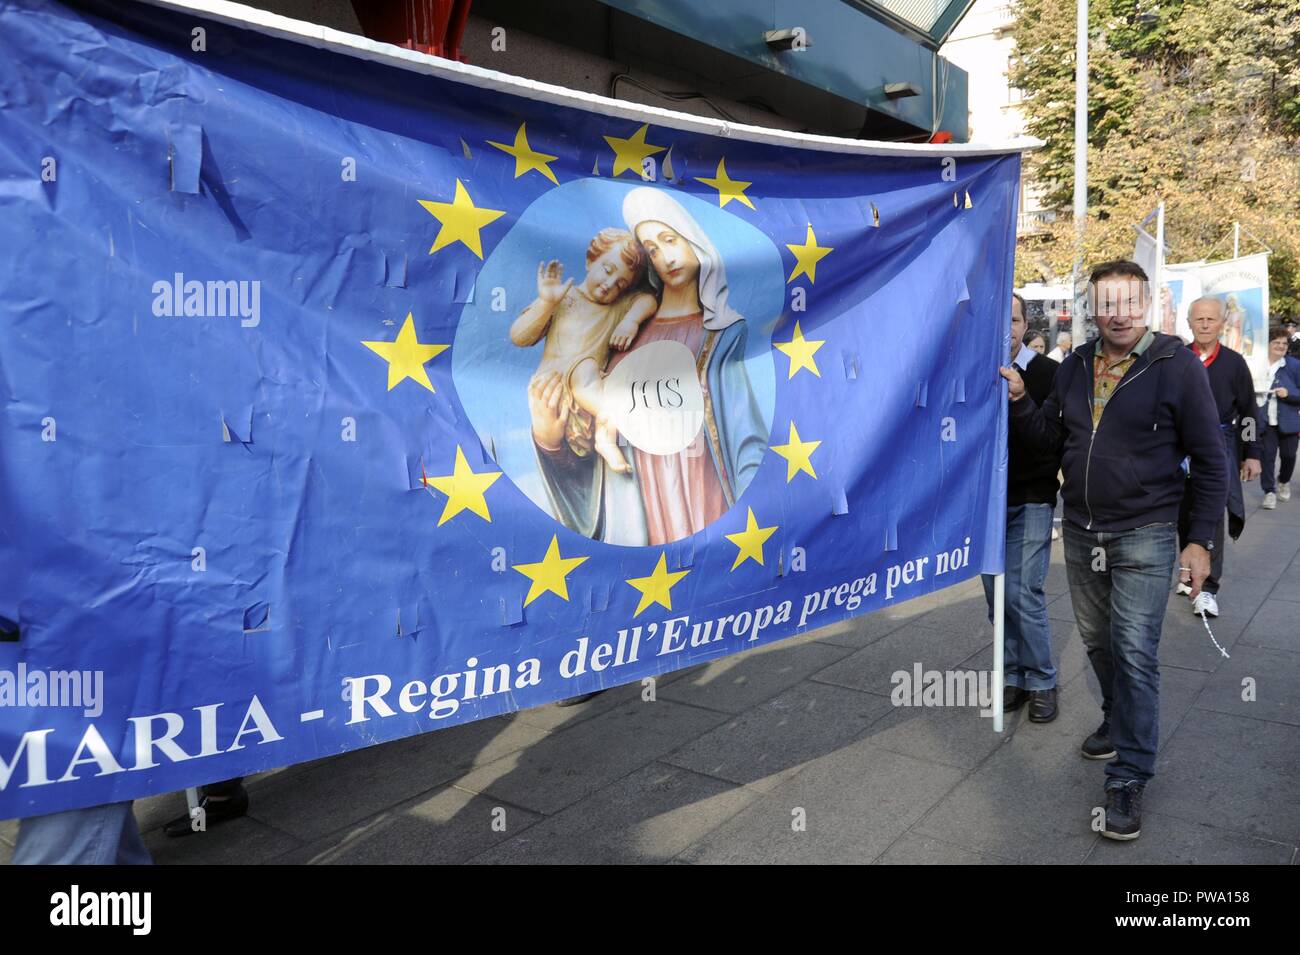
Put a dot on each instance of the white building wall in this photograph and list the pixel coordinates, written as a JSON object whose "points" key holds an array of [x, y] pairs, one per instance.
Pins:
{"points": [[982, 46]]}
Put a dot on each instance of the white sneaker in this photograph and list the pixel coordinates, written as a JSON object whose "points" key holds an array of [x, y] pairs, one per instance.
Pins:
{"points": [[1206, 602], [1183, 589], [1270, 501], [1284, 492]]}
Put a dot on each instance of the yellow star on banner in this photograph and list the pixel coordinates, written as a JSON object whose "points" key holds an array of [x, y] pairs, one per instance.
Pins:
{"points": [[797, 454], [727, 187], [800, 351], [464, 489], [406, 356], [629, 153], [549, 573], [807, 256], [525, 156], [461, 221], [750, 541], [656, 589]]}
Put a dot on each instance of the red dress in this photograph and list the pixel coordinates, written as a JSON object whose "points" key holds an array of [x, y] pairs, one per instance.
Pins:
{"points": [[681, 492]]}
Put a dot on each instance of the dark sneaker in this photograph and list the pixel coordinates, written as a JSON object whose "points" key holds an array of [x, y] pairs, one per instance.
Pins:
{"points": [[215, 811], [1042, 705], [1013, 698], [1097, 746], [1124, 810]]}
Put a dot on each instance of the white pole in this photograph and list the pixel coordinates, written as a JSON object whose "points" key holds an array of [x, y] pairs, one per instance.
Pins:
{"points": [[1158, 312], [999, 630], [1080, 163], [1236, 239]]}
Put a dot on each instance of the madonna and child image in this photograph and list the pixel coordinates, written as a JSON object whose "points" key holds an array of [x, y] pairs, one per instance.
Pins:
{"points": [[627, 386]]}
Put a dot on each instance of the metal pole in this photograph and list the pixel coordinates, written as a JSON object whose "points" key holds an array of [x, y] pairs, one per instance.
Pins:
{"points": [[1158, 312], [1080, 160], [999, 631]]}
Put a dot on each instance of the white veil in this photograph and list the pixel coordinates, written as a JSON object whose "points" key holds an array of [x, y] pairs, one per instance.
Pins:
{"points": [[644, 204]]}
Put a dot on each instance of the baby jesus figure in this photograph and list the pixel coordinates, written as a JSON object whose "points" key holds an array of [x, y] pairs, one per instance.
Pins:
{"points": [[581, 325]]}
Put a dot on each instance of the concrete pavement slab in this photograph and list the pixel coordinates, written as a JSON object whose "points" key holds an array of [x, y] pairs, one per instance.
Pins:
{"points": [[237, 842], [734, 684], [1275, 625], [339, 792], [776, 739], [914, 849], [448, 825], [846, 807], [1031, 801], [573, 763], [1167, 840], [1273, 690], [1233, 773], [871, 668], [651, 815]]}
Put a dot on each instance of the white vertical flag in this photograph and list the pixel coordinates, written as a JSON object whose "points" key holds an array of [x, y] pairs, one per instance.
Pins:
{"points": [[1149, 252]]}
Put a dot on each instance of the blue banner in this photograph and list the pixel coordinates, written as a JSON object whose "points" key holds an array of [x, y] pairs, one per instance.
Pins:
{"points": [[345, 397]]}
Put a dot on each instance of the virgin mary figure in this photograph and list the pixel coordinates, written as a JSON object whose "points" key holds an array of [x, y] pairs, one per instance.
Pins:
{"points": [[661, 498], [1235, 333]]}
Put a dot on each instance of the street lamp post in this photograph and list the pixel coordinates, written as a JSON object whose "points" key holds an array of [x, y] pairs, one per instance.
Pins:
{"points": [[1080, 162]]}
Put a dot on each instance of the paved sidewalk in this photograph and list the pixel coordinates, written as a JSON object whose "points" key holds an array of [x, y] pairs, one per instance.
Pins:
{"points": [[720, 765]]}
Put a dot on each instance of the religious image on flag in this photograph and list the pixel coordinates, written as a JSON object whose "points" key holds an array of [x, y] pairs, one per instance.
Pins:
{"points": [[332, 414]]}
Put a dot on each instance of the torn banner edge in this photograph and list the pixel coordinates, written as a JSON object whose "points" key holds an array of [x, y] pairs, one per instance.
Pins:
{"points": [[321, 37]]}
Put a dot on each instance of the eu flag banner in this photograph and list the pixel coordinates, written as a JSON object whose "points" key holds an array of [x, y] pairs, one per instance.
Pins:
{"points": [[347, 393]]}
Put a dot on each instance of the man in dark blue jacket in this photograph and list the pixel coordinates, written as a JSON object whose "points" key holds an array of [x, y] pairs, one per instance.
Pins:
{"points": [[1124, 412], [1234, 396]]}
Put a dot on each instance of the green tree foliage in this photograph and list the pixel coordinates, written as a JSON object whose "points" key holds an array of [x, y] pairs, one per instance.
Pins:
{"points": [[1196, 102]]}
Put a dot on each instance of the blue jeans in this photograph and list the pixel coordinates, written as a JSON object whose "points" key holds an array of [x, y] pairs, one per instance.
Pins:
{"points": [[1119, 585], [100, 835], [1027, 644]]}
